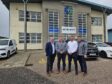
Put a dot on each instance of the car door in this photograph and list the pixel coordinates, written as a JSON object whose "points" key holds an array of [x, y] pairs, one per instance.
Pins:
{"points": [[14, 42], [11, 47]]}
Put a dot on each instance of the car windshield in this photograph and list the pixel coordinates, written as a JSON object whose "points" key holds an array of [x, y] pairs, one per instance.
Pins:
{"points": [[3, 42], [91, 45], [102, 45]]}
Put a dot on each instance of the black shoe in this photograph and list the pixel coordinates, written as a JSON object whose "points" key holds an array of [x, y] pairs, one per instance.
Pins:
{"points": [[58, 72], [81, 71], [84, 74], [51, 71], [64, 71], [68, 71], [76, 73]]}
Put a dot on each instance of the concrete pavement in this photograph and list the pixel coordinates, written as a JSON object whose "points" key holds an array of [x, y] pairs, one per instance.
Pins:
{"points": [[17, 60], [99, 71]]}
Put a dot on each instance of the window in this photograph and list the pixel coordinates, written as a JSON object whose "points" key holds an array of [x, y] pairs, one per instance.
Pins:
{"points": [[21, 15], [10, 43], [3, 42], [30, 16], [68, 16], [82, 25], [97, 38], [68, 19], [35, 17], [53, 27], [21, 37], [35, 38], [96, 21], [31, 37]]}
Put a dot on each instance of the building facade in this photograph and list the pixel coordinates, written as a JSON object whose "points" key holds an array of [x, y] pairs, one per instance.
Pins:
{"points": [[52, 18]]}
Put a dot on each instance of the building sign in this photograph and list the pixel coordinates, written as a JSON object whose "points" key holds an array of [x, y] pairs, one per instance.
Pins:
{"points": [[53, 30], [68, 10], [69, 30], [82, 30]]}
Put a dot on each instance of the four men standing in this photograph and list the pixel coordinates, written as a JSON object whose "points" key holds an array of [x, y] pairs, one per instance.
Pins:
{"points": [[76, 50]]}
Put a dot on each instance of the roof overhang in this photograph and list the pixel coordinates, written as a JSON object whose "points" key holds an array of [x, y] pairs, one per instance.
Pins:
{"points": [[7, 2], [94, 6], [109, 29]]}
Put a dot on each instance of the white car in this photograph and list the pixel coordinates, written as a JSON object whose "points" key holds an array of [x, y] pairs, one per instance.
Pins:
{"points": [[104, 49], [7, 48]]}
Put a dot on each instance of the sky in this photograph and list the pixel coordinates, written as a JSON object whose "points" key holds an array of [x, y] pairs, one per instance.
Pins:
{"points": [[4, 20], [4, 16], [104, 2]]}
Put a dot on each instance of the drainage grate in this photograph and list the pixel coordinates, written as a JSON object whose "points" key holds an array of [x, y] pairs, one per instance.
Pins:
{"points": [[27, 61]]}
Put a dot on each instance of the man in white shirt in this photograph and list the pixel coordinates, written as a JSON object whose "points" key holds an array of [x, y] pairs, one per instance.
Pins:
{"points": [[72, 54]]}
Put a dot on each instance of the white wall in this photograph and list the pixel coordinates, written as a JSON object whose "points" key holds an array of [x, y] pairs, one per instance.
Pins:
{"points": [[17, 26]]}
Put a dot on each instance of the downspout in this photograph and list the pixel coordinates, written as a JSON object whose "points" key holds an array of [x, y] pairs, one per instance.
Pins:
{"points": [[104, 22]]}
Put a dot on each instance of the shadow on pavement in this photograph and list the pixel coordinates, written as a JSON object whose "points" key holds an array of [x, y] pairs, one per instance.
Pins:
{"points": [[22, 76]]}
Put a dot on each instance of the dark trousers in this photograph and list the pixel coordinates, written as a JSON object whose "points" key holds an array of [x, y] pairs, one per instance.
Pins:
{"points": [[63, 58], [74, 57], [82, 63], [50, 61]]}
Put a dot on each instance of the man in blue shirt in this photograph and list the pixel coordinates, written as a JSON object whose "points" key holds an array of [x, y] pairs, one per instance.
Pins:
{"points": [[61, 48]]}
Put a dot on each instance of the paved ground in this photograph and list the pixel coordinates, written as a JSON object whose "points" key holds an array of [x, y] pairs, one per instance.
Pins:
{"points": [[99, 71], [17, 60], [22, 76]]}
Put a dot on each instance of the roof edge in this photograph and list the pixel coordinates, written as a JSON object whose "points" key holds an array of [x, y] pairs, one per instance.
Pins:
{"points": [[93, 5]]}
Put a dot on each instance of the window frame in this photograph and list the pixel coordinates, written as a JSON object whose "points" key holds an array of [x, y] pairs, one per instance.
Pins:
{"points": [[82, 24], [97, 38], [96, 21], [53, 22], [37, 38], [38, 16]]}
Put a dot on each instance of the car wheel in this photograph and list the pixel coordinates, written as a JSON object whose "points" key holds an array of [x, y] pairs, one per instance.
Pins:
{"points": [[8, 54], [103, 54]]}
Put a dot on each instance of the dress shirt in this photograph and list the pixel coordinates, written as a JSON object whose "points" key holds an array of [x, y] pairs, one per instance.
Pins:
{"points": [[72, 46], [53, 48]]}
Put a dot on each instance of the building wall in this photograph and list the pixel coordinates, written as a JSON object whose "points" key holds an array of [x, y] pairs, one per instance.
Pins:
{"points": [[87, 10], [97, 30], [17, 26], [59, 6]]}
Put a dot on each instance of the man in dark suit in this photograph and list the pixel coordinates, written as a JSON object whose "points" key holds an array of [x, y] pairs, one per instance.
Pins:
{"points": [[51, 54]]}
